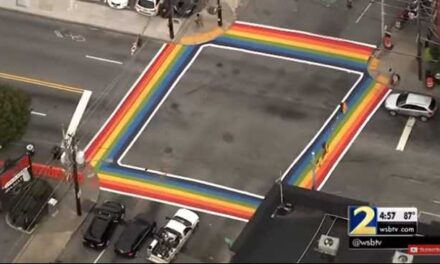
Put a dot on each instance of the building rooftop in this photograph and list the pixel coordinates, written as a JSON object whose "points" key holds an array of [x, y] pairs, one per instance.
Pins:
{"points": [[294, 237]]}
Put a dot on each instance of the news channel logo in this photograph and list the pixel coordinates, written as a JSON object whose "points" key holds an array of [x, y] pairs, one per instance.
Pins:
{"points": [[362, 220]]}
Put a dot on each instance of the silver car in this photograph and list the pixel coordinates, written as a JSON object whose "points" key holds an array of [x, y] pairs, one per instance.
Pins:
{"points": [[411, 104]]}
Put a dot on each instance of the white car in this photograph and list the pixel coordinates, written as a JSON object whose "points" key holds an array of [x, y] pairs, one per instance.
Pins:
{"points": [[171, 238], [148, 7], [411, 104], [118, 4]]}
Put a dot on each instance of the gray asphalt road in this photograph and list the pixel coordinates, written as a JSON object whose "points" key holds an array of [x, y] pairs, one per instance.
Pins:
{"points": [[239, 119], [327, 17], [56, 52], [374, 171], [205, 245]]}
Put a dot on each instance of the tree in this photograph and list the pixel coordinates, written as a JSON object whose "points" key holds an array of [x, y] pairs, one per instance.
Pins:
{"points": [[14, 114]]}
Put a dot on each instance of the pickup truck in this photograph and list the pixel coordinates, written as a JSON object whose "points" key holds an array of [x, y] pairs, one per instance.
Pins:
{"points": [[171, 238]]}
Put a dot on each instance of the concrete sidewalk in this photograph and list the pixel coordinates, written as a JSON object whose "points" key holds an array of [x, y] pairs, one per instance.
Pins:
{"points": [[55, 231], [402, 59], [98, 14]]}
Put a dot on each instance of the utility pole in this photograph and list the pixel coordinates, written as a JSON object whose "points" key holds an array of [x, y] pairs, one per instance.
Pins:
{"points": [[70, 159], [75, 178], [219, 14], [170, 19], [419, 43], [382, 19]]}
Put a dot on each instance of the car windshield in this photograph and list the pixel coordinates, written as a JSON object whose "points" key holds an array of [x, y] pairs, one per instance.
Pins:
{"points": [[147, 3], [401, 99], [181, 220], [432, 104]]}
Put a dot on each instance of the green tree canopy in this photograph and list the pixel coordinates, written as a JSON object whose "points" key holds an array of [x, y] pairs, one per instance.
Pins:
{"points": [[14, 114]]}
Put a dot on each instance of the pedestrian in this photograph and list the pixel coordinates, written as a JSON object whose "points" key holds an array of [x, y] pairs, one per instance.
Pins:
{"points": [[344, 107], [349, 4], [394, 77], [199, 20]]}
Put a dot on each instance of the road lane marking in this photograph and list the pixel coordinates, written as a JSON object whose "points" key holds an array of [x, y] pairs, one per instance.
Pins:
{"points": [[99, 256], [57, 86], [429, 213], [436, 202], [363, 12], [405, 134], [38, 113], [103, 59]]}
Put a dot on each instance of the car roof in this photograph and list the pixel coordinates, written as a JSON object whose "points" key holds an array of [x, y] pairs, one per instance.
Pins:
{"points": [[130, 235], [98, 227], [418, 99]]}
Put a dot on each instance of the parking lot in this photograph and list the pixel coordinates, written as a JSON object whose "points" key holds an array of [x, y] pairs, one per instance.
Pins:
{"points": [[205, 245], [239, 119]]}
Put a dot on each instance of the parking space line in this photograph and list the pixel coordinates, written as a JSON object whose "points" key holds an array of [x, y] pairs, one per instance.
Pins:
{"points": [[57, 86], [405, 134], [38, 113], [99, 256], [436, 202], [103, 59], [363, 12]]}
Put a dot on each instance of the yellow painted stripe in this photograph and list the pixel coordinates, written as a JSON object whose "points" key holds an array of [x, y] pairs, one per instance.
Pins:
{"points": [[117, 130], [299, 44], [174, 192], [41, 83], [336, 140]]}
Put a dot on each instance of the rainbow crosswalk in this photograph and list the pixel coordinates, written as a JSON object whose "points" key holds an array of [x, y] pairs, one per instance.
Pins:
{"points": [[170, 63]]}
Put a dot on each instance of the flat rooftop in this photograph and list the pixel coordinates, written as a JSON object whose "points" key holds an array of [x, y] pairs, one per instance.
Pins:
{"points": [[294, 237]]}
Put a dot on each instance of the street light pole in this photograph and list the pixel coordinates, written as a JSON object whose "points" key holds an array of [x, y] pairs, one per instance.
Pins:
{"points": [[219, 14], [170, 19], [382, 19]]}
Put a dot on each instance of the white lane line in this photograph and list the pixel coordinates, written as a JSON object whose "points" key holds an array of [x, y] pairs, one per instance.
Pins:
{"points": [[38, 113], [99, 256], [429, 213], [436, 202], [103, 59], [365, 11], [405, 134]]}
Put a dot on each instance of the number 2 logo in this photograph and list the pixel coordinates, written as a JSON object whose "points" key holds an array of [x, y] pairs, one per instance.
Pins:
{"points": [[365, 225]]}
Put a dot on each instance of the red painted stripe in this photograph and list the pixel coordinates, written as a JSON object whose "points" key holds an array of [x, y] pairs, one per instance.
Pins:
{"points": [[344, 142], [175, 199], [339, 44], [128, 102]]}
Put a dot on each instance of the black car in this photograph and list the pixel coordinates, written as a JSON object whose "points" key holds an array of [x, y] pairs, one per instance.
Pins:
{"points": [[134, 236], [107, 216], [182, 8]]}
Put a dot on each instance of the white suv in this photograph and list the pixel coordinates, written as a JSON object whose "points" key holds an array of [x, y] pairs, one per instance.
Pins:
{"points": [[118, 4], [148, 7]]}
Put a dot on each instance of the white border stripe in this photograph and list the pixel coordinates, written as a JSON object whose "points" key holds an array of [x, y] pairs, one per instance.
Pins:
{"points": [[174, 84], [153, 60], [307, 33], [173, 204], [353, 139]]}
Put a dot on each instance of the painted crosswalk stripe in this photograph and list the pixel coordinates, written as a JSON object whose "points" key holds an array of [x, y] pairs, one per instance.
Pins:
{"points": [[405, 134]]}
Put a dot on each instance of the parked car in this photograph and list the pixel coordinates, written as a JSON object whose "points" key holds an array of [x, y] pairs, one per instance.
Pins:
{"points": [[118, 4], [181, 8], [100, 230], [411, 104], [148, 7], [171, 238], [134, 236]]}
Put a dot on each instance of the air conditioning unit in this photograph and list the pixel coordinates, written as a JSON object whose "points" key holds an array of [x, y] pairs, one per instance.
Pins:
{"points": [[400, 257], [328, 245]]}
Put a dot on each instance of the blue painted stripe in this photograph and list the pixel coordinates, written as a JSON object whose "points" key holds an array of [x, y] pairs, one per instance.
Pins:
{"points": [[292, 53], [338, 118], [173, 182]]}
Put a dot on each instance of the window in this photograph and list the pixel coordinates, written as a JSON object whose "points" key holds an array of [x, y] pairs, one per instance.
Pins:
{"points": [[401, 99], [432, 104], [413, 107]]}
